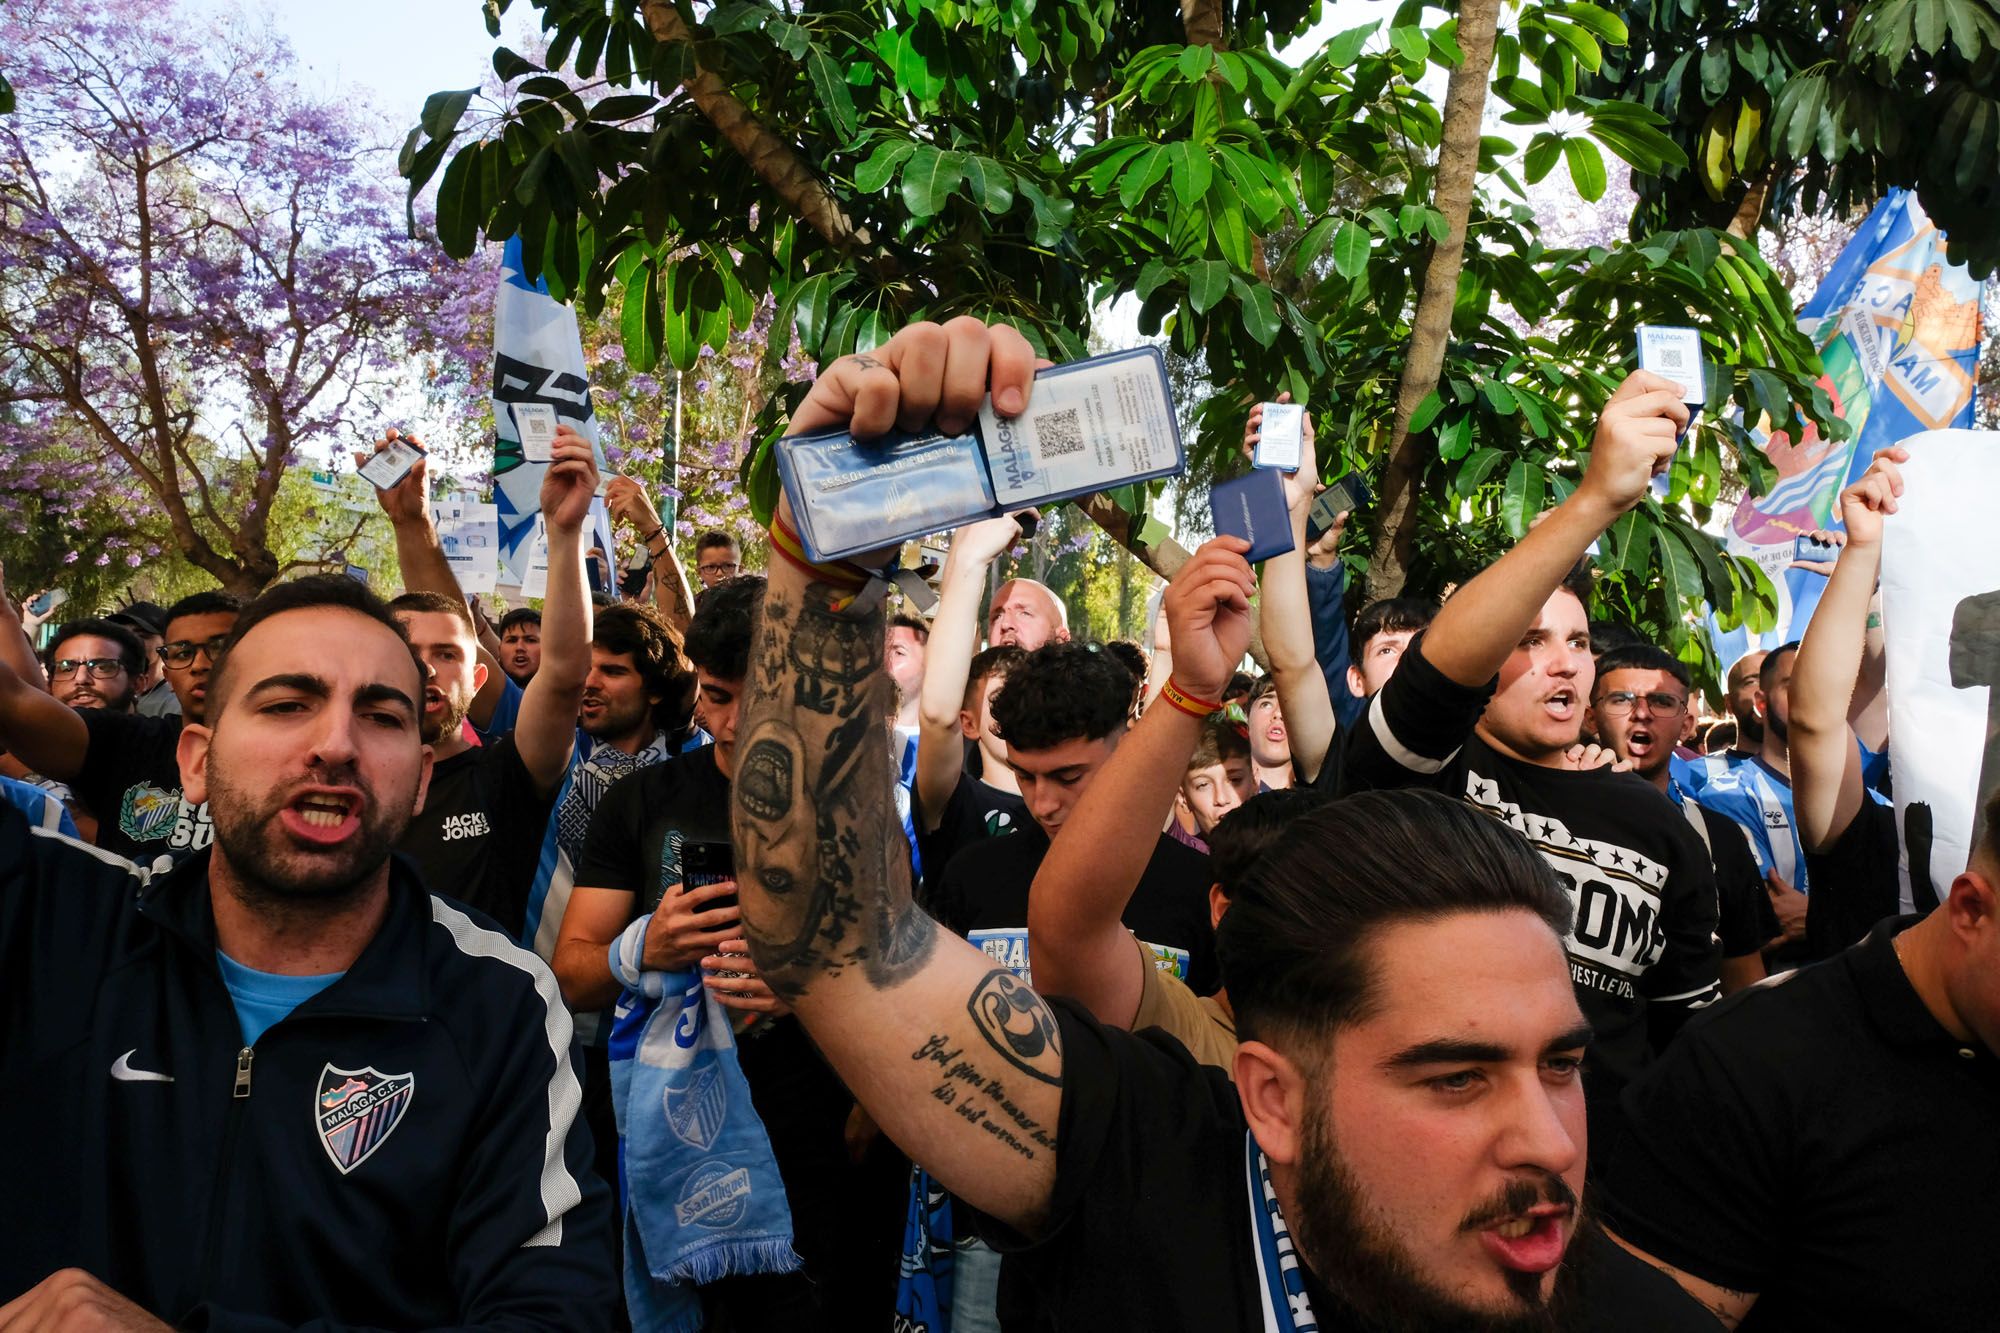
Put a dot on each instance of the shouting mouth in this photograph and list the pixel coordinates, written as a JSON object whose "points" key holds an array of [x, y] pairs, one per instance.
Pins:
{"points": [[323, 816], [1532, 1242], [1561, 705]]}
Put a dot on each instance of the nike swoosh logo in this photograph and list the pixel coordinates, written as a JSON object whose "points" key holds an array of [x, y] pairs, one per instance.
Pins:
{"points": [[122, 1070]]}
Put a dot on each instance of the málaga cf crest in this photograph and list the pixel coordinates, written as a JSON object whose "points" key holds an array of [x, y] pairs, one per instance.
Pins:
{"points": [[356, 1109]]}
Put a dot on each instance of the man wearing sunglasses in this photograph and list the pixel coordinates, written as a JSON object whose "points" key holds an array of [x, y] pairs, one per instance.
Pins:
{"points": [[120, 765], [1640, 709], [95, 664]]}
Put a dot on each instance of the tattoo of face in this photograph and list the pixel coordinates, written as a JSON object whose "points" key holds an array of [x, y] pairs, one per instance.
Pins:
{"points": [[1017, 1024]]}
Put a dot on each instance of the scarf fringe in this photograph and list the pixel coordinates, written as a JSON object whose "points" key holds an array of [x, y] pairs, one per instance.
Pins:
{"points": [[733, 1256]]}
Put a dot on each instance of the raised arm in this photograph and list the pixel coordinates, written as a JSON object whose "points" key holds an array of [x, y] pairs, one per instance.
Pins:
{"points": [[17, 647], [1826, 761], [42, 733], [1286, 617], [958, 1061], [948, 659], [1483, 621], [628, 503], [1075, 935], [545, 733]]}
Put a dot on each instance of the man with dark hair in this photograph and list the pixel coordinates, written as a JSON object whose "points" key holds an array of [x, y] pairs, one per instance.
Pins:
{"points": [[1062, 714], [1218, 779], [636, 863], [1411, 945], [122, 766], [1382, 632], [95, 664], [272, 1103], [1844, 1111], [1487, 706], [479, 835], [1084, 885], [1270, 739], [717, 558], [145, 619], [1639, 708], [521, 644]]}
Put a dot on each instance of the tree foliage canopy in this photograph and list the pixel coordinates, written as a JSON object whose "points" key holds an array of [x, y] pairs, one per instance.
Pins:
{"points": [[873, 162]]}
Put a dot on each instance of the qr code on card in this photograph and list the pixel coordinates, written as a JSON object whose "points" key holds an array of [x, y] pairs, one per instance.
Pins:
{"points": [[1058, 433], [1669, 356]]}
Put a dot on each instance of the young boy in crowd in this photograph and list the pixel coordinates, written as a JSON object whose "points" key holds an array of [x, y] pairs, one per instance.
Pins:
{"points": [[1218, 780]]}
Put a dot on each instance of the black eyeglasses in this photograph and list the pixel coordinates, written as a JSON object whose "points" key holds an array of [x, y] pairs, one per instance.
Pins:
{"points": [[181, 653], [715, 568], [1659, 701], [103, 668]]}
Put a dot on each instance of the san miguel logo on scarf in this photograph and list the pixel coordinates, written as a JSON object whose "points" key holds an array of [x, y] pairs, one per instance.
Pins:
{"points": [[356, 1109]]}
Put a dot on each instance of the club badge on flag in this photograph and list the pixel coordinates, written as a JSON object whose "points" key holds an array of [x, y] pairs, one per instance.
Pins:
{"points": [[356, 1110]]}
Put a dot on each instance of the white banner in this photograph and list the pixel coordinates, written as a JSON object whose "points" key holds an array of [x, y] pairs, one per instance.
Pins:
{"points": [[596, 532], [469, 531], [1941, 620]]}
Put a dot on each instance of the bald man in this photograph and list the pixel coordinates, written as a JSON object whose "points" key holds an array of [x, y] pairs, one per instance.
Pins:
{"points": [[1025, 613]]}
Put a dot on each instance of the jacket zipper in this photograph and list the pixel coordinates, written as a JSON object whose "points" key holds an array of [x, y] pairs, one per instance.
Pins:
{"points": [[239, 1094]]}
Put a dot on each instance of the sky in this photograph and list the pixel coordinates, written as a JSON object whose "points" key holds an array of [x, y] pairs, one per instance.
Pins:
{"points": [[394, 52]]}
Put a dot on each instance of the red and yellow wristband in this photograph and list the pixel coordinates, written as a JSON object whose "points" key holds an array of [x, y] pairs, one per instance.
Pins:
{"points": [[1186, 702], [842, 575]]}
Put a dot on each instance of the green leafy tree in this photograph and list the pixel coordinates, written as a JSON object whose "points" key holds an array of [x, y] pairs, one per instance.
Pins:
{"points": [[1819, 106], [868, 164]]}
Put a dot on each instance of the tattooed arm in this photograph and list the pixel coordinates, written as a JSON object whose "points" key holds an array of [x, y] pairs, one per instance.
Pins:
{"points": [[958, 1062]]}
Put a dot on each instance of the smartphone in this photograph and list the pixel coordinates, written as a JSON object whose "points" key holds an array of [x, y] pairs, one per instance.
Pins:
{"points": [[1343, 497], [390, 466], [1806, 548], [535, 424], [708, 863], [1281, 437], [47, 602]]}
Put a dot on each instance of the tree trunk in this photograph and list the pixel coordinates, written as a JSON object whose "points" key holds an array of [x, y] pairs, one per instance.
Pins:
{"points": [[775, 161], [1458, 164], [1748, 213]]}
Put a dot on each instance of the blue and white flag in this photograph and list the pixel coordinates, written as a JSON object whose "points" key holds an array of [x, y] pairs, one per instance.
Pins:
{"points": [[537, 358], [1897, 327]]}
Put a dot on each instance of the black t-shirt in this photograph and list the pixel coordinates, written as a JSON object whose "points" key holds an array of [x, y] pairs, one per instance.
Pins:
{"points": [[1149, 1222], [480, 834], [984, 897], [1642, 951], [1747, 921], [1821, 1140], [131, 780], [973, 811], [1855, 881], [644, 819]]}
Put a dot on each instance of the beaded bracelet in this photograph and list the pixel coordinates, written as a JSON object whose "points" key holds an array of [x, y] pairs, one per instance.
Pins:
{"points": [[1186, 702]]}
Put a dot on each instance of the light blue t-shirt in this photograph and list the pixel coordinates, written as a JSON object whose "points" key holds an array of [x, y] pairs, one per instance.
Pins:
{"points": [[263, 998]]}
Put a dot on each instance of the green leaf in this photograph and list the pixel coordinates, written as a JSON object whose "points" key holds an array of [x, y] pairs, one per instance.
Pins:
{"points": [[1473, 471], [1208, 279], [1683, 573], [1543, 151], [510, 66], [1499, 397], [1455, 437], [1195, 62], [929, 177], [1192, 172], [1350, 250], [442, 112], [829, 79], [1411, 45], [1226, 221], [988, 184], [1586, 168], [1521, 497], [458, 216], [624, 107], [1427, 412], [1700, 249], [1930, 18], [6, 96], [1142, 173], [879, 168], [1260, 315], [639, 319], [1345, 47]]}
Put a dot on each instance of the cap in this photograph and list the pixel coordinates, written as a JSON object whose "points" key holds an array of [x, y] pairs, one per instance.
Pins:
{"points": [[145, 617]]}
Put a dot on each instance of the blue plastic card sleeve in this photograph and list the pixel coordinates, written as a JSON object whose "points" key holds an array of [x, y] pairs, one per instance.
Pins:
{"points": [[850, 496], [1253, 507]]}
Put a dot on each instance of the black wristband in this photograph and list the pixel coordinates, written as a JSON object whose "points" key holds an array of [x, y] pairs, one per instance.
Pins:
{"points": [[654, 533]]}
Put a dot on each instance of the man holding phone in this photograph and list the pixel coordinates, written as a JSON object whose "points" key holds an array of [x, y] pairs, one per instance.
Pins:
{"points": [[659, 842]]}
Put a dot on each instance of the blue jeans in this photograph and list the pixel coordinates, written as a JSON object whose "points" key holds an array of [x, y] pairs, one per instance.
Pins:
{"points": [[975, 1289]]}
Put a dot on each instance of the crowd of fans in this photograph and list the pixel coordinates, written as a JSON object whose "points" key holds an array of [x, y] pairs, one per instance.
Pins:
{"points": [[745, 954]]}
